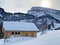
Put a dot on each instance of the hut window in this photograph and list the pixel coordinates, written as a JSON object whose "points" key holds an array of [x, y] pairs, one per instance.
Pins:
{"points": [[26, 34], [15, 32], [18, 32], [12, 32]]}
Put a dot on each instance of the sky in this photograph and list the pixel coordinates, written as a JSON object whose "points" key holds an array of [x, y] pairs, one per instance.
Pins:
{"points": [[25, 5]]}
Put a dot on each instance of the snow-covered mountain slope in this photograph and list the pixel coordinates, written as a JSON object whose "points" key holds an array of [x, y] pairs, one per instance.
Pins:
{"points": [[39, 11], [50, 38], [7, 16]]}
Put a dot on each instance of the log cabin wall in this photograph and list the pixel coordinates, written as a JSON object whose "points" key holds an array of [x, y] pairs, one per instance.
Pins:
{"points": [[7, 34]]}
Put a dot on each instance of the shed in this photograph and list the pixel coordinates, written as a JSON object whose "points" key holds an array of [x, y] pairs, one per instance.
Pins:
{"points": [[19, 29]]}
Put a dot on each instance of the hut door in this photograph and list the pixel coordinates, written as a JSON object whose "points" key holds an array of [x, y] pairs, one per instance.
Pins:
{"points": [[26, 34]]}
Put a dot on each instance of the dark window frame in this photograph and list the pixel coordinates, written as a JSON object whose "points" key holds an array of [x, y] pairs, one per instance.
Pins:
{"points": [[12, 33], [18, 32], [15, 33]]}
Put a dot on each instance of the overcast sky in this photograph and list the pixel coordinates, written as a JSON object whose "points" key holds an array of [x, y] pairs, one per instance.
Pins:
{"points": [[25, 5]]}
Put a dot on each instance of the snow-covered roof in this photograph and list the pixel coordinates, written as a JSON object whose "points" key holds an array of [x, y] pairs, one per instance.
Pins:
{"points": [[19, 26]]}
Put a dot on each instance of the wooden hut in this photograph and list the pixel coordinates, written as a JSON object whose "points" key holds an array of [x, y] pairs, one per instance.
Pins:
{"points": [[19, 29]]}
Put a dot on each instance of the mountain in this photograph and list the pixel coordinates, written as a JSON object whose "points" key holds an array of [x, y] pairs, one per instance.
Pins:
{"points": [[7, 16], [31, 14], [49, 17], [39, 11]]}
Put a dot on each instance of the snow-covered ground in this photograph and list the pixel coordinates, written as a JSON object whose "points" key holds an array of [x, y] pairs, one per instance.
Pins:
{"points": [[13, 40], [50, 38], [1, 41], [56, 25]]}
